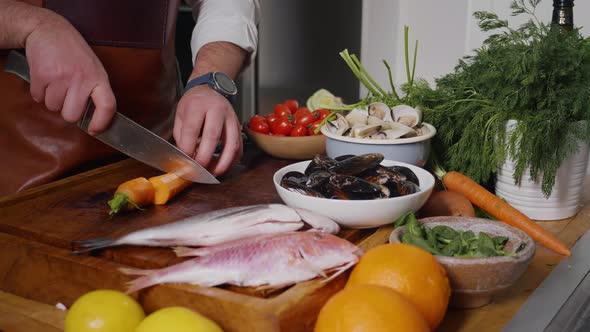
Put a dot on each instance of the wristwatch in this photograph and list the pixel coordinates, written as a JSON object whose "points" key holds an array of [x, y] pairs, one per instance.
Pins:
{"points": [[218, 81]]}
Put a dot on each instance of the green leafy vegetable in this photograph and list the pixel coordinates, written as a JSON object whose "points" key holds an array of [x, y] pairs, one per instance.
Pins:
{"points": [[446, 241], [535, 74]]}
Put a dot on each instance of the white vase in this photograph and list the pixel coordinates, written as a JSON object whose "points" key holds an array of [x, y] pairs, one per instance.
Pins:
{"points": [[566, 196]]}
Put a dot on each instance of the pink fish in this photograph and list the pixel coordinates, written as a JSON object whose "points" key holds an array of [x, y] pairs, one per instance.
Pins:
{"points": [[265, 261], [219, 226]]}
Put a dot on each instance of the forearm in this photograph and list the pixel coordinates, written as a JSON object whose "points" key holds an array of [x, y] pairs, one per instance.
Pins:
{"points": [[18, 20], [219, 56]]}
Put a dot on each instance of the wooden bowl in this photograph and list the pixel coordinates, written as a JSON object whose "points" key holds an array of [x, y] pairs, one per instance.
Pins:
{"points": [[475, 280], [286, 147]]}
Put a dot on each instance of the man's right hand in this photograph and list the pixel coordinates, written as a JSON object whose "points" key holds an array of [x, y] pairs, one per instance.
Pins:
{"points": [[65, 72]]}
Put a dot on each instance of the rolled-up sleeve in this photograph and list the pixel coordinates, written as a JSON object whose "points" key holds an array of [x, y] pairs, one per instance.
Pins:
{"points": [[233, 21]]}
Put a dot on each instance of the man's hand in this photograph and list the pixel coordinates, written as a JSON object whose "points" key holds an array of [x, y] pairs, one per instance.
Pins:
{"points": [[203, 112], [65, 72]]}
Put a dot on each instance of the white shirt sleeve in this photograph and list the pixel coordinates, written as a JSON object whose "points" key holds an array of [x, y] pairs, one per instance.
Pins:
{"points": [[231, 21]]}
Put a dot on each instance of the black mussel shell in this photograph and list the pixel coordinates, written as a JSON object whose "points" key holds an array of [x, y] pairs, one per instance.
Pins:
{"points": [[351, 187], [343, 157], [408, 173], [317, 179], [295, 177], [376, 176], [401, 188], [300, 188], [319, 163], [357, 164]]}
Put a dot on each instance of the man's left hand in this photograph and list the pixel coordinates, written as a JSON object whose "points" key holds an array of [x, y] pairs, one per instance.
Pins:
{"points": [[204, 113]]}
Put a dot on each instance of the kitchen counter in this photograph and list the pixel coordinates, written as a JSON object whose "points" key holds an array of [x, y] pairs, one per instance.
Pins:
{"points": [[27, 217]]}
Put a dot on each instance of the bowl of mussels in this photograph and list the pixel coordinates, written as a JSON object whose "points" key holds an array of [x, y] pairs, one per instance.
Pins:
{"points": [[357, 191]]}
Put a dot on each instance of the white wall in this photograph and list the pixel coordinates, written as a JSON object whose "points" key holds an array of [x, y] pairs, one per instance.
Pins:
{"points": [[446, 31]]}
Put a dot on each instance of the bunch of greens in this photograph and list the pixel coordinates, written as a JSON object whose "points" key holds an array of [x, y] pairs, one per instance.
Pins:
{"points": [[376, 92], [538, 75], [446, 241]]}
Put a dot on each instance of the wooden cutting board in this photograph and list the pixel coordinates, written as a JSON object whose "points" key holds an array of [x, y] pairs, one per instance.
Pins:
{"points": [[37, 229]]}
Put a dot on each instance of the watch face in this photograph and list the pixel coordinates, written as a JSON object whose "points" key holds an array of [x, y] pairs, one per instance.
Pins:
{"points": [[225, 83]]}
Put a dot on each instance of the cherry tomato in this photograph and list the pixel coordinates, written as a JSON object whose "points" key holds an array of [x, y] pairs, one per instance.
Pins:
{"points": [[302, 111], [299, 130], [305, 120], [282, 126], [260, 127], [271, 118], [321, 113], [256, 119], [282, 110], [292, 104], [313, 127]]}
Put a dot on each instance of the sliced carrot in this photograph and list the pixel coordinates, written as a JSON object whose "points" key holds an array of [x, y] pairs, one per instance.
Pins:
{"points": [[132, 194], [500, 209], [167, 186]]}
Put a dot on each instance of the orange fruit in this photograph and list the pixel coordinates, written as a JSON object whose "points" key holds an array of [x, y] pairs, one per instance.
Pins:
{"points": [[409, 270], [369, 308]]}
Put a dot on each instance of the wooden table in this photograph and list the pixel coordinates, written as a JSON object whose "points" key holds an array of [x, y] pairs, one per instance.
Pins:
{"points": [[89, 192]]}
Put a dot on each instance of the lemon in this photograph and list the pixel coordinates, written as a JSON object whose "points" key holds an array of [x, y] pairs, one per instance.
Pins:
{"points": [[104, 311], [323, 99], [177, 319]]}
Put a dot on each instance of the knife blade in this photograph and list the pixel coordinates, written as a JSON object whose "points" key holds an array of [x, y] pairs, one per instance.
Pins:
{"points": [[130, 138]]}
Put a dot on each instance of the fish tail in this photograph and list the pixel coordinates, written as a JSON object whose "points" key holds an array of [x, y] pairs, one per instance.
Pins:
{"points": [[92, 244], [136, 272]]}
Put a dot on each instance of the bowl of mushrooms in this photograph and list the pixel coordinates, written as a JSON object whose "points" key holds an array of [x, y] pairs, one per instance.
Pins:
{"points": [[398, 133]]}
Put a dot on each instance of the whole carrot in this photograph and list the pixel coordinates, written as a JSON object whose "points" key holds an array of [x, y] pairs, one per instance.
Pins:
{"points": [[132, 194], [498, 208]]}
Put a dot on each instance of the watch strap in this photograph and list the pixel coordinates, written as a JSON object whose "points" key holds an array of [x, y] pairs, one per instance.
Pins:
{"points": [[203, 79]]}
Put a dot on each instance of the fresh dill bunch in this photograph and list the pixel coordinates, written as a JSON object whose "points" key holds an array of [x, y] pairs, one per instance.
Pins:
{"points": [[538, 75]]}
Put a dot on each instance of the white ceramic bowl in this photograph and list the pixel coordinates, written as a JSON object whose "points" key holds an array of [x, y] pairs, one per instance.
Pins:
{"points": [[413, 150], [358, 213]]}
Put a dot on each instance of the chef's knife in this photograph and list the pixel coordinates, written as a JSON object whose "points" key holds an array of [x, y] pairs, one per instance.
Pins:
{"points": [[129, 137]]}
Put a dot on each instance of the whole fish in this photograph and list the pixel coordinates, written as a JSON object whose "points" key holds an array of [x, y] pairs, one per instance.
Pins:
{"points": [[219, 226], [265, 261]]}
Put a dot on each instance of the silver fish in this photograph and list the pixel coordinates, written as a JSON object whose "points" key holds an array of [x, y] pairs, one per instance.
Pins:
{"points": [[219, 226], [265, 261]]}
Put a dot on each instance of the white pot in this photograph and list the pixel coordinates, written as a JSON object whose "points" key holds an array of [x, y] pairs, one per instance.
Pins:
{"points": [[566, 196]]}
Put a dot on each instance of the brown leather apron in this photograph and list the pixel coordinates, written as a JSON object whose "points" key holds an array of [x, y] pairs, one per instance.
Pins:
{"points": [[134, 39]]}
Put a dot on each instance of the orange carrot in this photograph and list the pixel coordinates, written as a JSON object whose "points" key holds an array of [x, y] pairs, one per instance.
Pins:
{"points": [[498, 208], [132, 194], [166, 186]]}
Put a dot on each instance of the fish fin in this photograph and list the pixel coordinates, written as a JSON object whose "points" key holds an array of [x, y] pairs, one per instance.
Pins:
{"points": [[339, 271], [190, 251], [140, 283], [136, 272], [92, 244], [309, 266], [319, 223], [266, 287]]}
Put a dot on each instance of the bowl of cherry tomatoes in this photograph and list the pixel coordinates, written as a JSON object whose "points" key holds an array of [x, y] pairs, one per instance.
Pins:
{"points": [[289, 132]]}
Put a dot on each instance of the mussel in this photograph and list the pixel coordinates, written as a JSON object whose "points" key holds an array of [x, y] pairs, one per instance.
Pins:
{"points": [[401, 188], [351, 187], [410, 176], [295, 176], [344, 156], [317, 179], [319, 163], [357, 164], [300, 188]]}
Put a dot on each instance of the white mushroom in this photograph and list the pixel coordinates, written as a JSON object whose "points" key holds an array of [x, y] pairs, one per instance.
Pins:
{"points": [[407, 115]]}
